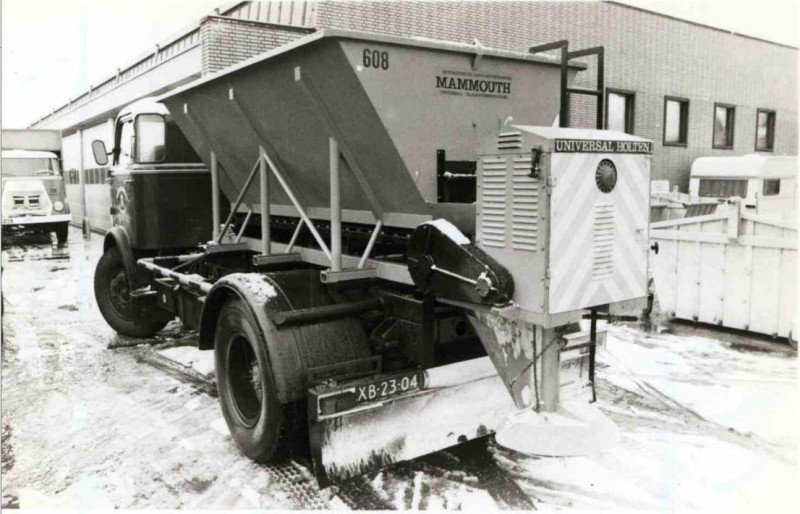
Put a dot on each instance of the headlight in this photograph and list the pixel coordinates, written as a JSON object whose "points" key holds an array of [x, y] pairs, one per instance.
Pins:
{"points": [[58, 206]]}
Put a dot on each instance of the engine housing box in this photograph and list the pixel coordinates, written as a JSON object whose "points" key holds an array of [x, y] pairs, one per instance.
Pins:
{"points": [[566, 211]]}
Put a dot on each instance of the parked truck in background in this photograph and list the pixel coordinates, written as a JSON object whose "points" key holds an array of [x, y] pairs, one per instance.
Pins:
{"points": [[33, 191]]}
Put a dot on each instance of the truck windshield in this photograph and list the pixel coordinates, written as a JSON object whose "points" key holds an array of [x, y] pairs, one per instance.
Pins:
{"points": [[20, 167]]}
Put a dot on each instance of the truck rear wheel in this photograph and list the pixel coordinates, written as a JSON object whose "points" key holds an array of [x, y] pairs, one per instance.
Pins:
{"points": [[62, 232], [255, 417], [132, 317]]}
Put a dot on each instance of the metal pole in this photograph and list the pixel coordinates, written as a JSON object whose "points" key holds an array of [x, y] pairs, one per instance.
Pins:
{"points": [[214, 196], [336, 207], [563, 116], [263, 177], [593, 350], [82, 178], [550, 386]]}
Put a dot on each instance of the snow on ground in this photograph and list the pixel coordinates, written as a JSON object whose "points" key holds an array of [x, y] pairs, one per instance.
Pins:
{"points": [[751, 392], [189, 356], [91, 420]]}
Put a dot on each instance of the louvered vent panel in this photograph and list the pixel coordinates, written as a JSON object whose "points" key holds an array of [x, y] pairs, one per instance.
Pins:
{"points": [[603, 241], [525, 206], [493, 198], [509, 140]]}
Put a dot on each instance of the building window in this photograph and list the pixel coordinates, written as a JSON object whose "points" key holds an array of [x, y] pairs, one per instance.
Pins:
{"points": [[676, 121], [723, 188], [619, 111], [772, 187], [724, 119], [765, 131]]}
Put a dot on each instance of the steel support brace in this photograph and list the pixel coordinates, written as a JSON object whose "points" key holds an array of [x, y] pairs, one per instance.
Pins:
{"points": [[214, 196], [263, 176], [336, 207], [296, 203], [238, 201], [370, 244]]}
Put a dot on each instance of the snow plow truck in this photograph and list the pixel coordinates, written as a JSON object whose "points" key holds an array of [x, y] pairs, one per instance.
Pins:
{"points": [[389, 239]]}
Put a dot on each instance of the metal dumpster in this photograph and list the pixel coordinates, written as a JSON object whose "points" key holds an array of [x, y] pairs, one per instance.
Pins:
{"points": [[732, 268]]}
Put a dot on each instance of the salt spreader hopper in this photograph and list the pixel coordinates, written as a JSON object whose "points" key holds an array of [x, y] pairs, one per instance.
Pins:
{"points": [[410, 245]]}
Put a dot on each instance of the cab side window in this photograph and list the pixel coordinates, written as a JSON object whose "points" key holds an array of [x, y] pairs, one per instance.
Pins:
{"points": [[125, 148]]}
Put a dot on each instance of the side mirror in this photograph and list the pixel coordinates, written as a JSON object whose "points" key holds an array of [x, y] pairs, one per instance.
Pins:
{"points": [[99, 151]]}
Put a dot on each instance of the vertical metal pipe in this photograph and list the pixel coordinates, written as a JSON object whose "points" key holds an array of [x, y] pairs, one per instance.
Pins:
{"points": [[593, 351], [263, 176], [550, 386], [601, 98], [564, 114], [82, 178], [214, 196], [336, 207]]}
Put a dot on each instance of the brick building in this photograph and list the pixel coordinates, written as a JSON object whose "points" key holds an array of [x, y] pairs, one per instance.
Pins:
{"points": [[694, 90]]}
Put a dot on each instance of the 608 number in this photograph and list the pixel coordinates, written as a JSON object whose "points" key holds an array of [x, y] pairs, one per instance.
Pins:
{"points": [[376, 59]]}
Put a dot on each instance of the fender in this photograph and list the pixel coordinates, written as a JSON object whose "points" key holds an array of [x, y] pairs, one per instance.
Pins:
{"points": [[291, 350], [117, 236]]}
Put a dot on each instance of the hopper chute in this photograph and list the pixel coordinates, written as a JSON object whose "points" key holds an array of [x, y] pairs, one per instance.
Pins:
{"points": [[390, 102]]}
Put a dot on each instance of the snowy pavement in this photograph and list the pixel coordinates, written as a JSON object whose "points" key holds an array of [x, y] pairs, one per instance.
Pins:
{"points": [[91, 419]]}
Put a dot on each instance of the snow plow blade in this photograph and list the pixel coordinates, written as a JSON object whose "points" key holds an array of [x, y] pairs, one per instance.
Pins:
{"points": [[352, 434], [455, 403]]}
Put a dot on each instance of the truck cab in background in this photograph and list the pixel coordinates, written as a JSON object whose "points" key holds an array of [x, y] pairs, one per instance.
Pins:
{"points": [[160, 192], [33, 192]]}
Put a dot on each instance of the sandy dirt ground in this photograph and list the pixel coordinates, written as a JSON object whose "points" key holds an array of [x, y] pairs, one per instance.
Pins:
{"points": [[709, 420]]}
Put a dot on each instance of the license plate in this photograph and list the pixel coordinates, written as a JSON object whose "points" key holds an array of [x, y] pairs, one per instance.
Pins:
{"points": [[388, 387]]}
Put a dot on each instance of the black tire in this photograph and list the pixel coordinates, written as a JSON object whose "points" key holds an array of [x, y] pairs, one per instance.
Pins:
{"points": [[257, 421], [62, 232], [129, 317], [792, 341]]}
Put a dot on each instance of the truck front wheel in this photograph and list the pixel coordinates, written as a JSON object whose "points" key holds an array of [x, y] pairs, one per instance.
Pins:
{"points": [[129, 316], [62, 232], [255, 417]]}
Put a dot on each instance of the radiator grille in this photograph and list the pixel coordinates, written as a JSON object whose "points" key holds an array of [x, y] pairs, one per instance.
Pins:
{"points": [[603, 241], [525, 205], [493, 202], [509, 140]]}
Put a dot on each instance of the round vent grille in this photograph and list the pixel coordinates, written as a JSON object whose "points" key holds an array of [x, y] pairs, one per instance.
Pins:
{"points": [[606, 176]]}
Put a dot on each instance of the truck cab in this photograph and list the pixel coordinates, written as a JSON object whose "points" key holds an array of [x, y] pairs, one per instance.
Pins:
{"points": [[33, 193], [159, 186], [160, 192]]}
